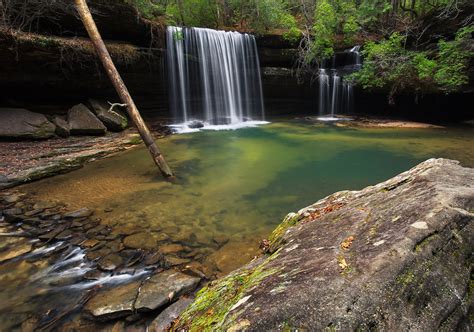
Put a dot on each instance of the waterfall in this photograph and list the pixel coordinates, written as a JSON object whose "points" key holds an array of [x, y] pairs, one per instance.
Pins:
{"points": [[336, 95], [214, 76]]}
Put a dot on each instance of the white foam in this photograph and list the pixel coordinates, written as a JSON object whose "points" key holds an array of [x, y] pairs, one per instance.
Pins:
{"points": [[329, 118], [183, 128]]}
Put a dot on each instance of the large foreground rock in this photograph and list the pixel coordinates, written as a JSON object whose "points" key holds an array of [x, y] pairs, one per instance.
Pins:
{"points": [[19, 123], [396, 256], [83, 122]]}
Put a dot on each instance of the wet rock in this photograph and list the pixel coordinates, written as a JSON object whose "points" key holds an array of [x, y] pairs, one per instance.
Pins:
{"points": [[43, 205], [109, 117], [64, 235], [132, 257], [113, 303], [140, 241], [171, 248], [84, 212], [110, 262], [13, 198], [163, 321], [89, 243], [154, 258], [163, 288], [62, 127], [220, 240], [175, 260], [195, 124], [83, 122], [93, 275], [33, 212], [18, 123], [12, 215], [355, 261], [15, 251]]}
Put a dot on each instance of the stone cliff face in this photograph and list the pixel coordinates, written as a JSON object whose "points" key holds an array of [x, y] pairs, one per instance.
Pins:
{"points": [[395, 256]]}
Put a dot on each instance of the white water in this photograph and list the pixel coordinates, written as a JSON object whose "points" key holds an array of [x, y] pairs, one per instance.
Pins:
{"points": [[214, 77], [336, 96]]}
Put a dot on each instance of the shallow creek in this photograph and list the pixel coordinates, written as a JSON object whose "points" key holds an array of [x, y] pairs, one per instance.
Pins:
{"points": [[232, 189]]}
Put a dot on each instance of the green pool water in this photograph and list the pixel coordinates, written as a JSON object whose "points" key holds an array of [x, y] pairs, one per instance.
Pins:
{"points": [[238, 185]]}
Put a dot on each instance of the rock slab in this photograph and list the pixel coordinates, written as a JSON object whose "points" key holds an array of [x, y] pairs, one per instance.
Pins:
{"points": [[394, 256], [19, 123], [83, 122]]}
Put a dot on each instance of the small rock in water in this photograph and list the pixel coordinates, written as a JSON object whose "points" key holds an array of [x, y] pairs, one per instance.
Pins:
{"points": [[15, 252], [174, 260], [220, 240], [195, 124], [153, 258], [171, 248], [110, 262], [43, 205], [163, 288], [140, 241], [81, 213]]}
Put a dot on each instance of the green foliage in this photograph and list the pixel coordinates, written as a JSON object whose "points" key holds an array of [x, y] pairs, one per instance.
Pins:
{"points": [[453, 60], [389, 64], [147, 8], [198, 13]]}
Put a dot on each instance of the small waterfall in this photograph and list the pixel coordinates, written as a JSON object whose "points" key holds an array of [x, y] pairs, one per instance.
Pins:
{"points": [[336, 95], [214, 76]]}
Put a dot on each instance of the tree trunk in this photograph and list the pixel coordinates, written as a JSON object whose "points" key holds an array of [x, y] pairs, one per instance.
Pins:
{"points": [[120, 87]]}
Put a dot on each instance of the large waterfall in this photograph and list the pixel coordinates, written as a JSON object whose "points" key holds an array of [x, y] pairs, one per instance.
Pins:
{"points": [[336, 96], [214, 76]]}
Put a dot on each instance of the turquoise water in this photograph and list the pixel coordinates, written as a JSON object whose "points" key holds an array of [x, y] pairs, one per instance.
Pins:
{"points": [[238, 185]]}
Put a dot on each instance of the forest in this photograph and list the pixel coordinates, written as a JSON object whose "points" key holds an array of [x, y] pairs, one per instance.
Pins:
{"points": [[236, 165]]}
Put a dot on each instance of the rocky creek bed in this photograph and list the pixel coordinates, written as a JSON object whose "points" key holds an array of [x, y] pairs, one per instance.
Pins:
{"points": [[106, 274]]}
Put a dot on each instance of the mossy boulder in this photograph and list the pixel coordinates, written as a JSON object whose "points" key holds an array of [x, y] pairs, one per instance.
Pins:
{"points": [[394, 256], [19, 123]]}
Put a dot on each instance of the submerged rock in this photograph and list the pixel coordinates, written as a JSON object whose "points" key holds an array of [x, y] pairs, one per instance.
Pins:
{"points": [[81, 213], [395, 256], [83, 122], [19, 123], [140, 241]]}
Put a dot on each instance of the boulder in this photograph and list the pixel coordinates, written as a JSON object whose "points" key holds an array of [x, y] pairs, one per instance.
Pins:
{"points": [[19, 123], [164, 288], [394, 256], [112, 119], [83, 122], [154, 293], [62, 127]]}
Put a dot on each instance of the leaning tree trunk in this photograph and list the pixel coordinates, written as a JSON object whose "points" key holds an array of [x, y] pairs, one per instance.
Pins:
{"points": [[119, 85]]}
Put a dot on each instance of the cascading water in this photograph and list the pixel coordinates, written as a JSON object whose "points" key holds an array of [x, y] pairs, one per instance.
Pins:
{"points": [[336, 95], [214, 76]]}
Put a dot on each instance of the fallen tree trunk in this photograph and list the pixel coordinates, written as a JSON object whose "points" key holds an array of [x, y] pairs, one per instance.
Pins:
{"points": [[120, 87]]}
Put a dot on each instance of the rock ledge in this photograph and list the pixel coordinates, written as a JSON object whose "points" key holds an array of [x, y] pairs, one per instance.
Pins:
{"points": [[395, 256]]}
